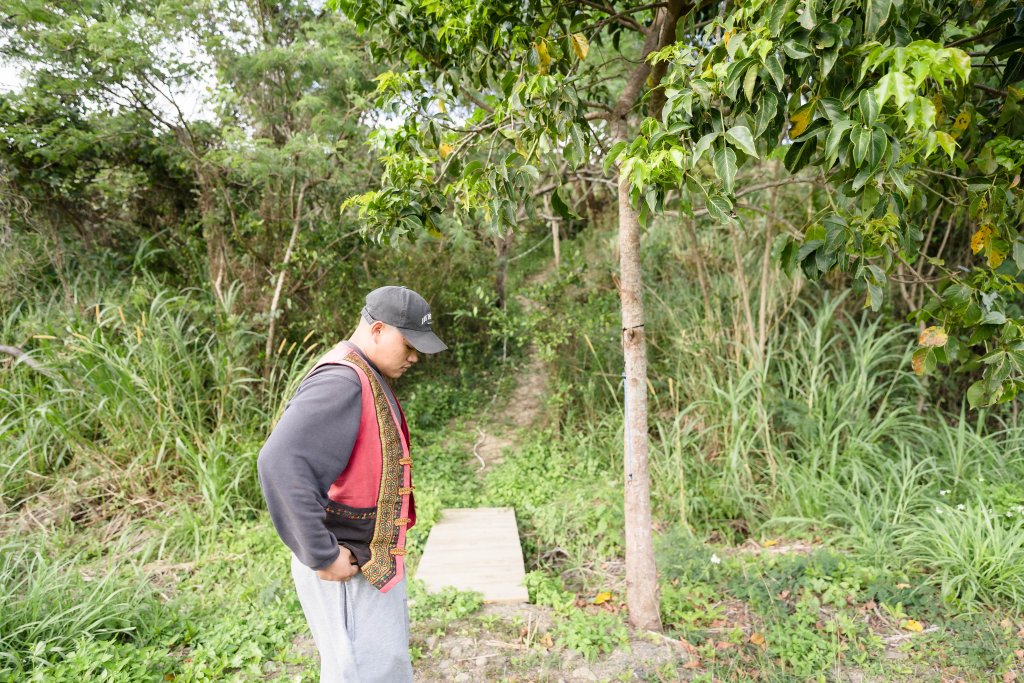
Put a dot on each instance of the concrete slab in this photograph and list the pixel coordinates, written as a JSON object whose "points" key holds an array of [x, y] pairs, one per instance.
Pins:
{"points": [[476, 549]]}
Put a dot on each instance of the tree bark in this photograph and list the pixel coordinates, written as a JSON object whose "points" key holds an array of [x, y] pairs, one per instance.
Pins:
{"points": [[296, 223], [641, 572]]}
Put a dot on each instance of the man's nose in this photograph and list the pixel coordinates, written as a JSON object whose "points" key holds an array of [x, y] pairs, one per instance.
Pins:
{"points": [[413, 357]]}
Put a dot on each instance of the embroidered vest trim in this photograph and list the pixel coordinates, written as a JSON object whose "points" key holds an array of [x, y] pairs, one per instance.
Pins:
{"points": [[383, 566]]}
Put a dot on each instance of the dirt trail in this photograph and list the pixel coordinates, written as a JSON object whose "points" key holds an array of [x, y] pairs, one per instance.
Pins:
{"points": [[496, 428]]}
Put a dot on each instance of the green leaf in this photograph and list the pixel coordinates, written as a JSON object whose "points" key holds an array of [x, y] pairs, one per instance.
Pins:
{"points": [[835, 137], [896, 85], [796, 50], [946, 142], [725, 167], [876, 15], [976, 394], [720, 208], [560, 206], [741, 137], [868, 106], [703, 145], [1018, 254], [799, 155], [613, 154], [750, 81], [860, 137], [773, 66], [767, 108], [877, 148]]}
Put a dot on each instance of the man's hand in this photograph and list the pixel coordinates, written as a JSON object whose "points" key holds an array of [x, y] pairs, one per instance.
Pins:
{"points": [[342, 569]]}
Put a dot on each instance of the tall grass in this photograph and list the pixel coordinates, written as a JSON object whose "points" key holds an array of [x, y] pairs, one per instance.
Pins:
{"points": [[145, 389], [827, 432]]}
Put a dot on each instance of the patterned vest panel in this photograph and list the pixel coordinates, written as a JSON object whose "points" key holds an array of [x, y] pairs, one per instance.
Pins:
{"points": [[371, 502]]}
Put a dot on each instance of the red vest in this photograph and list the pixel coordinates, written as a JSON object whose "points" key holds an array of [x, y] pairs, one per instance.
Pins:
{"points": [[378, 478]]}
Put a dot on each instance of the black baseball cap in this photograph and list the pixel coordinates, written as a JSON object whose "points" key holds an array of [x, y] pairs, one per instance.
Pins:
{"points": [[408, 311]]}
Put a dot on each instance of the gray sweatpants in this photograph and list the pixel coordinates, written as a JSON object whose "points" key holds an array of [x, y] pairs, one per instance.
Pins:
{"points": [[361, 633]]}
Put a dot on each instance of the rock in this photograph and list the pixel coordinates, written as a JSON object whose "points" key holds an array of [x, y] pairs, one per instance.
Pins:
{"points": [[463, 678], [583, 674], [455, 652], [481, 662]]}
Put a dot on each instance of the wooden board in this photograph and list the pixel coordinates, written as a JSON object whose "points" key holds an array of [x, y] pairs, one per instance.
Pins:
{"points": [[475, 549]]}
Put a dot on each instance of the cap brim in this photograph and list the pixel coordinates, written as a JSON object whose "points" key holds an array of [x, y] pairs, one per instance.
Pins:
{"points": [[424, 342]]}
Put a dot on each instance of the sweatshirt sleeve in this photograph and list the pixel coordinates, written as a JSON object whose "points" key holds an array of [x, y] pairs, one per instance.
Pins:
{"points": [[306, 451]]}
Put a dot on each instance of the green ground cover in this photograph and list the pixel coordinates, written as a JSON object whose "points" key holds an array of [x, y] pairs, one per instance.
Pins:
{"points": [[818, 517]]}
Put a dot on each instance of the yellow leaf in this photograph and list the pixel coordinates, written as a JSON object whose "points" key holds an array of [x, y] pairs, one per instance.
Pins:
{"points": [[901, 586], [917, 360], [980, 239], [800, 119], [727, 36], [757, 639], [912, 625], [543, 55], [444, 149], [940, 112], [441, 107], [580, 45], [770, 542], [602, 598], [963, 119], [995, 257], [933, 336]]}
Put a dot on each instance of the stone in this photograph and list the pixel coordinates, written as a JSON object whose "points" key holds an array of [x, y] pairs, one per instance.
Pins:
{"points": [[583, 674]]}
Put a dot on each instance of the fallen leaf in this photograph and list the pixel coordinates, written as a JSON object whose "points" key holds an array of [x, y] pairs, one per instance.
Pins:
{"points": [[783, 595], [687, 645], [770, 542], [757, 639], [602, 598], [901, 586], [724, 645], [912, 625], [547, 641], [1019, 654], [692, 664], [1009, 677]]}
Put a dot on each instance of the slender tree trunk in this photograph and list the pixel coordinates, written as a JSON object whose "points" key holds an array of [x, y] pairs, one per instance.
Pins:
{"points": [[641, 572], [275, 300]]}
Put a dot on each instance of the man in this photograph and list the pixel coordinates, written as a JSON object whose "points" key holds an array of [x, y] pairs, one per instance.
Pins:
{"points": [[336, 474]]}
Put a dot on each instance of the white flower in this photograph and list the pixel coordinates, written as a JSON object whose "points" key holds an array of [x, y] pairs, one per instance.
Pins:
{"points": [[961, 506], [1009, 514], [943, 492], [715, 559], [938, 510]]}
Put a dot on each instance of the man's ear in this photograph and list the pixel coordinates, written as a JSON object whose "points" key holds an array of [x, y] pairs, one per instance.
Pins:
{"points": [[376, 327]]}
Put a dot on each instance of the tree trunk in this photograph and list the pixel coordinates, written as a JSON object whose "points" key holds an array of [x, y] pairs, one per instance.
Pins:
{"points": [[641, 572]]}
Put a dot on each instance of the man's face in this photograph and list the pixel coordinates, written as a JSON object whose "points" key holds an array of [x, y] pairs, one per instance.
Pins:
{"points": [[392, 354]]}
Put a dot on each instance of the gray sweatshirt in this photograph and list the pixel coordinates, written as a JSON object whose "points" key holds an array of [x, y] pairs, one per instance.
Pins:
{"points": [[306, 452]]}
